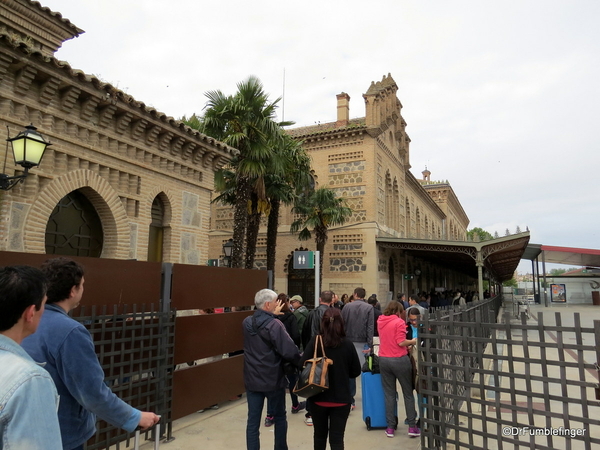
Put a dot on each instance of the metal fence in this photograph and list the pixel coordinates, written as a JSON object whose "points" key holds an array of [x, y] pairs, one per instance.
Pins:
{"points": [[143, 345], [135, 347], [509, 385]]}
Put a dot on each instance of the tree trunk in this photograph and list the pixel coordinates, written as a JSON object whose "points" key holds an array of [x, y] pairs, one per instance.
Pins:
{"points": [[252, 233], [272, 226], [320, 240], [240, 221]]}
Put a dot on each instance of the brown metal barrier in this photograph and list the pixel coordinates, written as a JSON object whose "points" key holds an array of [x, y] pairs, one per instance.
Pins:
{"points": [[128, 306], [212, 337]]}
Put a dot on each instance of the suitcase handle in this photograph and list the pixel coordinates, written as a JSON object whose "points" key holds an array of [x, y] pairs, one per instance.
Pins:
{"points": [[136, 442]]}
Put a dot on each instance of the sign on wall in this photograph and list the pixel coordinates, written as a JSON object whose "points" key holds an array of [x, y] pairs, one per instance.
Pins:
{"points": [[304, 260], [558, 293]]}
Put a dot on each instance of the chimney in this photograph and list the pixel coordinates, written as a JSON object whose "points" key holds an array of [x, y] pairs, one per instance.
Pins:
{"points": [[343, 109]]}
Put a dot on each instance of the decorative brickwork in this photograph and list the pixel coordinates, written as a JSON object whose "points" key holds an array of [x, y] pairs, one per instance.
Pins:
{"points": [[133, 235], [102, 196], [344, 288], [115, 150], [18, 215], [190, 254], [345, 156], [351, 265], [351, 191], [191, 217]]}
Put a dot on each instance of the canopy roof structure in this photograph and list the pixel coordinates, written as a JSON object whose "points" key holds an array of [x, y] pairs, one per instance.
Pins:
{"points": [[499, 256], [586, 257]]}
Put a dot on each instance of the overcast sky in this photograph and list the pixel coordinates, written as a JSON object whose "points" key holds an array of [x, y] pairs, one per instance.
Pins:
{"points": [[501, 98]]}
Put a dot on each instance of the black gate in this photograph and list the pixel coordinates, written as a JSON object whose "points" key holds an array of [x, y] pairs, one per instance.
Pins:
{"points": [[509, 385]]}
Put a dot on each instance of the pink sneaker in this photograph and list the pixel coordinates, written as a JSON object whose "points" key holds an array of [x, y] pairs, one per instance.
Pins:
{"points": [[414, 432], [389, 432]]}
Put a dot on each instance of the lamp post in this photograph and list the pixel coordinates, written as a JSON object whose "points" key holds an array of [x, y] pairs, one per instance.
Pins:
{"points": [[28, 148], [227, 249]]}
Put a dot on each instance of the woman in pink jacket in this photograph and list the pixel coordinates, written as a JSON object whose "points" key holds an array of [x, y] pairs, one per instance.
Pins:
{"points": [[394, 364]]}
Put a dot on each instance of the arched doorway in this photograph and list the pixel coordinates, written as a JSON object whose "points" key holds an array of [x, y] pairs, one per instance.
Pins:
{"points": [[301, 282], [74, 228]]}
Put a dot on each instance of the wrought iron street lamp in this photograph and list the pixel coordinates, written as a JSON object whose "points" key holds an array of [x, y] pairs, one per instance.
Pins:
{"points": [[28, 149], [227, 249]]}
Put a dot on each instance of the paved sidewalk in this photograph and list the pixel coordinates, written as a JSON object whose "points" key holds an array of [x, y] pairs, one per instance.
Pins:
{"points": [[225, 429]]}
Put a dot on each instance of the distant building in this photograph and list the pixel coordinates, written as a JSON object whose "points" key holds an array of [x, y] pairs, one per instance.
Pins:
{"points": [[121, 180], [576, 286], [367, 162]]}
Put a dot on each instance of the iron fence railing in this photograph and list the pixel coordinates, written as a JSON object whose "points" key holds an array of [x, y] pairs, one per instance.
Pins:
{"points": [[500, 385], [134, 344]]}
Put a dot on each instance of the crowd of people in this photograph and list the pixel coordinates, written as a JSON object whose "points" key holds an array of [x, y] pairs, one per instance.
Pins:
{"points": [[279, 337], [350, 327]]}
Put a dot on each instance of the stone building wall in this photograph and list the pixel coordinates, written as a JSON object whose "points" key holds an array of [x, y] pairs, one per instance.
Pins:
{"points": [[115, 150], [366, 162]]}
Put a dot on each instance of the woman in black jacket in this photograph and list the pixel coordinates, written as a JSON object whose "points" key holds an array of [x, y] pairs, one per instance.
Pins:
{"points": [[330, 409], [290, 322]]}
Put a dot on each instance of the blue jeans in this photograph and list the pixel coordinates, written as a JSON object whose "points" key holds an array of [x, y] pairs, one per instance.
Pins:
{"points": [[291, 384], [276, 404]]}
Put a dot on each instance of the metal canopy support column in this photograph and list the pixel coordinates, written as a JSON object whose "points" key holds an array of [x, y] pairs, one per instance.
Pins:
{"points": [[539, 287], [532, 277], [479, 264], [545, 283]]}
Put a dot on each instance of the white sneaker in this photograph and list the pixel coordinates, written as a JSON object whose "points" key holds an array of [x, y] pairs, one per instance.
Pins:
{"points": [[308, 421]]}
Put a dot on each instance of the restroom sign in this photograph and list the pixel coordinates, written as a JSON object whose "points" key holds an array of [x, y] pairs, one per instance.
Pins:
{"points": [[304, 260]]}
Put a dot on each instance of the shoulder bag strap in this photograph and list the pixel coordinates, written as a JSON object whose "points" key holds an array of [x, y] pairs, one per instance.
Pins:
{"points": [[319, 343]]}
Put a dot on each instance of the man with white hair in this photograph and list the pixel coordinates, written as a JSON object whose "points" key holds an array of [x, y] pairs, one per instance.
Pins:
{"points": [[266, 345]]}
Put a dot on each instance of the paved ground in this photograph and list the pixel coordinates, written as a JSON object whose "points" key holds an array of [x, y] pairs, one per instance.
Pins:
{"points": [[225, 428]]}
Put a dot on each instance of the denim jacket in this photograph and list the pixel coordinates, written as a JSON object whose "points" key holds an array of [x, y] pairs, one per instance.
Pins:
{"points": [[68, 351], [28, 402]]}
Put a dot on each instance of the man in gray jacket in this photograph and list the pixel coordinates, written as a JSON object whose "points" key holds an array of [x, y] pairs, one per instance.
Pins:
{"points": [[266, 345], [359, 325]]}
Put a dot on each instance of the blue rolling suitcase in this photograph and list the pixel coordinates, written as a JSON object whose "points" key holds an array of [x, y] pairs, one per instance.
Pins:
{"points": [[373, 402]]}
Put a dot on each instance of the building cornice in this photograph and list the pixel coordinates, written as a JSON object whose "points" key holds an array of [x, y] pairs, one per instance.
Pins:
{"points": [[101, 108]]}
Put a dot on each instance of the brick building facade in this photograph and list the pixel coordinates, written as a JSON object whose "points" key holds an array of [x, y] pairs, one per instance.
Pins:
{"points": [[121, 179], [367, 162]]}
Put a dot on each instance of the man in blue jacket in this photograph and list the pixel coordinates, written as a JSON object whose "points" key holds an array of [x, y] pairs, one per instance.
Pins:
{"points": [[67, 348], [28, 398], [266, 345]]}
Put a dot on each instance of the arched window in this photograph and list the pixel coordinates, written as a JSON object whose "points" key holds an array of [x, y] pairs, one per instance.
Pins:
{"points": [[74, 228], [156, 234]]}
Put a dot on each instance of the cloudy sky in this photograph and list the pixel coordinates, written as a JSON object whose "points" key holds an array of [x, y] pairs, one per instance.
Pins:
{"points": [[501, 98]]}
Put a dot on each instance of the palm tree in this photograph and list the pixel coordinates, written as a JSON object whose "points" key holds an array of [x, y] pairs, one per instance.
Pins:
{"points": [[285, 189], [319, 210], [245, 121]]}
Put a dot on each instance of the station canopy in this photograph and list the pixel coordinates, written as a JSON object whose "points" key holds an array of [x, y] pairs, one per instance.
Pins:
{"points": [[586, 257], [500, 256]]}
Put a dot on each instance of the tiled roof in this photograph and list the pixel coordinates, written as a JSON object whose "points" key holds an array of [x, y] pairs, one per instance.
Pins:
{"points": [[110, 90], [329, 127], [76, 30]]}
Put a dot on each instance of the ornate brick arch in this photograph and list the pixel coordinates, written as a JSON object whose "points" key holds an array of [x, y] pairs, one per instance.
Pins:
{"points": [[167, 197], [102, 196]]}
